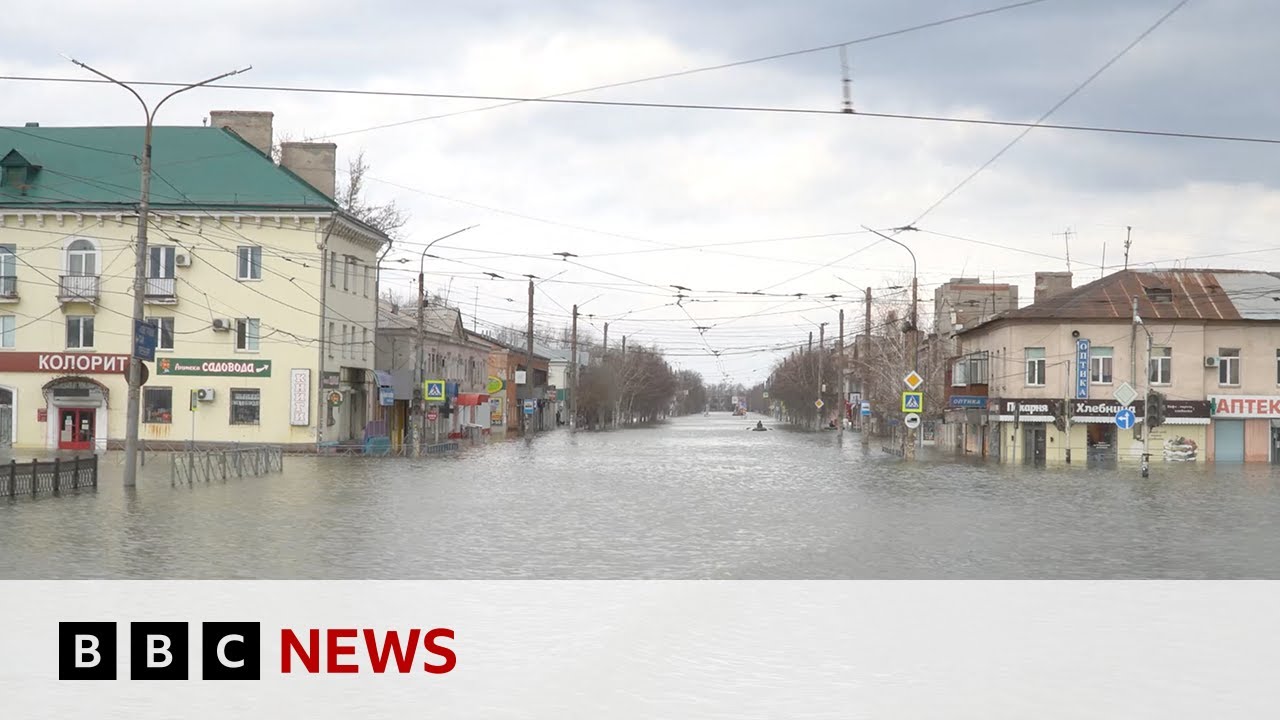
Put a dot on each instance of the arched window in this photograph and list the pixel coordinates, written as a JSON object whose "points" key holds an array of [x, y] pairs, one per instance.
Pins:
{"points": [[82, 258]]}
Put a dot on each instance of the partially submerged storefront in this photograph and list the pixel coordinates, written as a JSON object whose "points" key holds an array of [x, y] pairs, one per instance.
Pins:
{"points": [[60, 401], [1026, 430], [1244, 428]]}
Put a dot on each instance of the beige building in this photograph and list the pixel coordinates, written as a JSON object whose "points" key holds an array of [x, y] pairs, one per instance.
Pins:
{"points": [[261, 290], [1038, 384]]}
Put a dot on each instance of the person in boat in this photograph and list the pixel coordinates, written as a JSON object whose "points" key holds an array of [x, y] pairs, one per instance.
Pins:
{"points": [[759, 425]]}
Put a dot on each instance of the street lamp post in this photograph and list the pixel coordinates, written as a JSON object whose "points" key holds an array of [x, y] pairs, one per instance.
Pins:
{"points": [[909, 450], [134, 411], [420, 415]]}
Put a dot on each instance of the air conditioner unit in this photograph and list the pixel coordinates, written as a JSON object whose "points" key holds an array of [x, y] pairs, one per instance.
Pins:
{"points": [[1211, 362], [223, 324], [204, 394], [182, 260]]}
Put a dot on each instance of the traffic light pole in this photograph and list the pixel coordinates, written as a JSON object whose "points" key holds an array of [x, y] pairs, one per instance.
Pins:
{"points": [[1146, 414]]}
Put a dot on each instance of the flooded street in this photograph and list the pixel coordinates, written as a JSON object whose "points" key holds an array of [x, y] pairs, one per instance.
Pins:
{"points": [[698, 497]]}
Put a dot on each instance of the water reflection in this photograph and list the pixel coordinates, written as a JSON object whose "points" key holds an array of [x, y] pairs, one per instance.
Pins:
{"points": [[700, 497]]}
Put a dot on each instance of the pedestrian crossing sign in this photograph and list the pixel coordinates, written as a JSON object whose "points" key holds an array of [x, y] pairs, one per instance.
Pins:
{"points": [[434, 391], [912, 402]]}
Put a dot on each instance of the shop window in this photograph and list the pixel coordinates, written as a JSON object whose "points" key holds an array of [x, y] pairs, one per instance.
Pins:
{"points": [[157, 405], [79, 332], [245, 406]]}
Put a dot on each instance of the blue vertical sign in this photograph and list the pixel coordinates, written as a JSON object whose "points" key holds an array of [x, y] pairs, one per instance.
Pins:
{"points": [[1082, 369]]}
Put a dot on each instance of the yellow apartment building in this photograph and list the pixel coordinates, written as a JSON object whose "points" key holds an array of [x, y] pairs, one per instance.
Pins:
{"points": [[263, 292]]}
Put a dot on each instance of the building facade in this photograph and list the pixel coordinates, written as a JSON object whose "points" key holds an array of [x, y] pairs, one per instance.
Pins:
{"points": [[261, 290], [1042, 384], [515, 399], [450, 355]]}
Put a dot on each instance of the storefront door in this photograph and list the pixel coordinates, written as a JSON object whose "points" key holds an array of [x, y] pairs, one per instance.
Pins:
{"points": [[1033, 451], [1100, 444], [75, 428], [1228, 441]]}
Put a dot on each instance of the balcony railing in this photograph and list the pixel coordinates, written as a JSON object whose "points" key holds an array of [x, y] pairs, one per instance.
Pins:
{"points": [[78, 287], [8, 286], [160, 288]]}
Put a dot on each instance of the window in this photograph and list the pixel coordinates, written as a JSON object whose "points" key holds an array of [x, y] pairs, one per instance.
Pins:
{"points": [[333, 268], [1162, 365], [332, 340], [157, 405], [1101, 362], [247, 334], [368, 275], [364, 343], [7, 324], [160, 259], [249, 263], [1035, 365], [8, 271], [164, 332], [348, 271], [245, 407], [1159, 295], [1228, 366], [82, 258], [79, 332]]}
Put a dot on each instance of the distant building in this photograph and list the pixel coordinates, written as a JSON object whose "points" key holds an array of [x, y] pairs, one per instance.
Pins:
{"points": [[507, 364], [1038, 384]]}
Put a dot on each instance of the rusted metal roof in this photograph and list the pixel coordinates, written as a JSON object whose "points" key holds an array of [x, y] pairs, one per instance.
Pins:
{"points": [[1180, 294]]}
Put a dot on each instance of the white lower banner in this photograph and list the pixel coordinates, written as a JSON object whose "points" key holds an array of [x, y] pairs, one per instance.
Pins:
{"points": [[548, 649]]}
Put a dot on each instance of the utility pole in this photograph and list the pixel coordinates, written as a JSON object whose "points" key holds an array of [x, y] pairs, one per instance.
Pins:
{"points": [[418, 423], [843, 392], [573, 389], [1128, 240], [810, 341], [528, 364], [822, 334], [134, 412], [606, 342], [862, 423], [624, 346]]}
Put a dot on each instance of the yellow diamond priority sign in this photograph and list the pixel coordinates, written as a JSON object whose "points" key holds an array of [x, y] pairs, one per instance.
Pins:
{"points": [[913, 380], [818, 404]]}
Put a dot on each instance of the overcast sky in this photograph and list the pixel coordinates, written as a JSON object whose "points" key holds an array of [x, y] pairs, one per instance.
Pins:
{"points": [[619, 187]]}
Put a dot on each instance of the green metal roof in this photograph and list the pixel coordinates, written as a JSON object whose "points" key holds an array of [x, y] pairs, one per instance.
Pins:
{"points": [[96, 167]]}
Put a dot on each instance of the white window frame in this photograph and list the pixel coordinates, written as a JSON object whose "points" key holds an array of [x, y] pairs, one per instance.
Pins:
{"points": [[364, 343], [9, 261], [1225, 362], [333, 269], [253, 252], [348, 271], [333, 339], [166, 252], [80, 321], [94, 254], [160, 321], [1038, 363], [1100, 359], [1161, 367], [8, 332], [248, 335]]}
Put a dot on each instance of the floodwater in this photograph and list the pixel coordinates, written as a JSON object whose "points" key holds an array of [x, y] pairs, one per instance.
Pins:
{"points": [[697, 497]]}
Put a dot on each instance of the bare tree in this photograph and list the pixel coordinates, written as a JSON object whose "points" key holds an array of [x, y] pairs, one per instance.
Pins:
{"points": [[387, 217]]}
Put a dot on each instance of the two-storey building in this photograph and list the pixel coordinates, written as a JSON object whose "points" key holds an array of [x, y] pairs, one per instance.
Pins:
{"points": [[263, 292], [1043, 383]]}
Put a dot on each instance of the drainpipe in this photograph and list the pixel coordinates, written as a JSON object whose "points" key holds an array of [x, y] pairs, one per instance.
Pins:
{"points": [[323, 245]]}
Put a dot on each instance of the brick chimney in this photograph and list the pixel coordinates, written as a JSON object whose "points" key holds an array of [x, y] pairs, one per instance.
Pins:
{"points": [[314, 162], [254, 127], [1050, 284]]}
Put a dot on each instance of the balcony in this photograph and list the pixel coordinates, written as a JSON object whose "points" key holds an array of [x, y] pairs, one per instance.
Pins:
{"points": [[78, 288], [8, 289], [160, 291]]}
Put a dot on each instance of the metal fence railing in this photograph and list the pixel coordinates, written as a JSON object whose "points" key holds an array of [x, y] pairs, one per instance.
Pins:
{"points": [[48, 476], [194, 465]]}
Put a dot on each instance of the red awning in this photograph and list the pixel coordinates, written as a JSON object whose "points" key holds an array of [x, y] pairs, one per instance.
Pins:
{"points": [[472, 399]]}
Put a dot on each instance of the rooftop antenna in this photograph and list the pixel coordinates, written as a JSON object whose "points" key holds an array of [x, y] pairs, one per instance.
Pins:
{"points": [[1104, 258], [475, 312], [845, 80], [1128, 240], [1066, 239]]}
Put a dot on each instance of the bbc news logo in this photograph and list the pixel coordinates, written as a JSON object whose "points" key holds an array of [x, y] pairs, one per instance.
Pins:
{"points": [[233, 651]]}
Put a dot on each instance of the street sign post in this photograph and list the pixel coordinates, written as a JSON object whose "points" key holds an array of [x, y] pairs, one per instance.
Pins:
{"points": [[911, 420], [866, 409], [432, 415], [1125, 419], [1082, 369], [913, 380], [530, 406], [433, 391], [818, 404], [1125, 394], [912, 402], [145, 336]]}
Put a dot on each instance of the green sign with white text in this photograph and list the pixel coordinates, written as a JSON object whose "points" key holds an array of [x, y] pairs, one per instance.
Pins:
{"points": [[213, 367]]}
